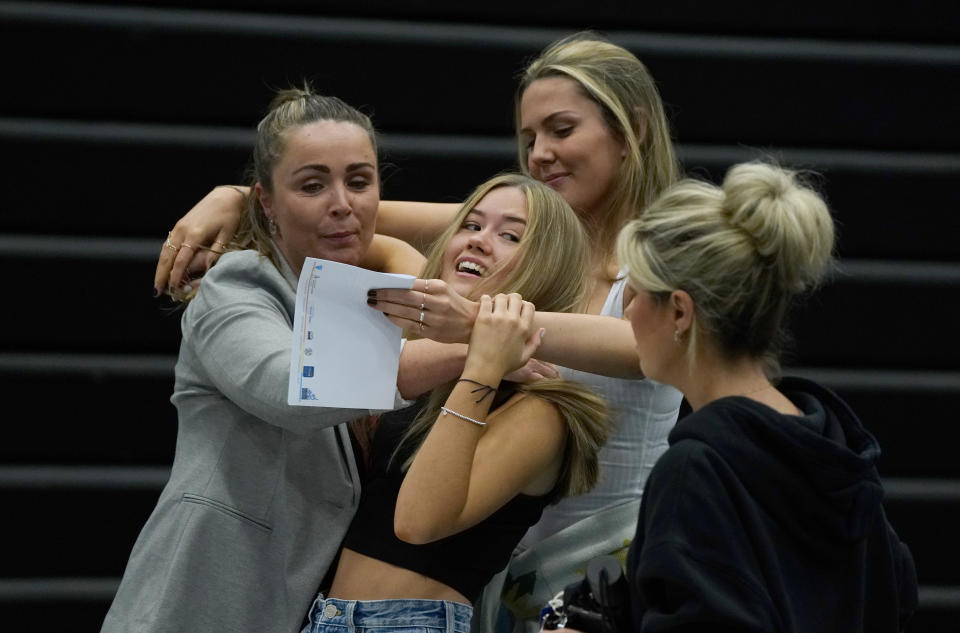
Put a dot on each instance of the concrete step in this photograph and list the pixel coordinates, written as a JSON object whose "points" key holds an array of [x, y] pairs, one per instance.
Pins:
{"points": [[450, 78], [110, 388], [868, 191], [101, 302]]}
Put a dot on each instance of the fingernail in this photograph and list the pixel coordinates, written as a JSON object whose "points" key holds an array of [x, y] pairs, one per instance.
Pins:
{"points": [[189, 288], [371, 293], [371, 301], [156, 293], [543, 333]]}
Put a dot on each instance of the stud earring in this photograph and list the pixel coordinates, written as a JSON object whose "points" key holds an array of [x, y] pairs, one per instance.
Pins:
{"points": [[676, 335], [271, 226]]}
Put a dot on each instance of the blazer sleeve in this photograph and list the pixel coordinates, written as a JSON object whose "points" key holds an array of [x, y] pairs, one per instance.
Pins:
{"points": [[237, 336]]}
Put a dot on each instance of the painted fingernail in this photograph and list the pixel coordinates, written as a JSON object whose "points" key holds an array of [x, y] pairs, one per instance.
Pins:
{"points": [[371, 301], [371, 293]]}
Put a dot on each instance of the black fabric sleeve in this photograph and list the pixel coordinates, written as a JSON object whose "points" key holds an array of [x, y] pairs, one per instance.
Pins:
{"points": [[694, 570]]}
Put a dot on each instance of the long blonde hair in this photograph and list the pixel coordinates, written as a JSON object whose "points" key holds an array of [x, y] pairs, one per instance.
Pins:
{"points": [[548, 270], [624, 89], [552, 247], [742, 251]]}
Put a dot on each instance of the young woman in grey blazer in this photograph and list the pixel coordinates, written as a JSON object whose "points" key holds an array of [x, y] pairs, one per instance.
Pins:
{"points": [[260, 493]]}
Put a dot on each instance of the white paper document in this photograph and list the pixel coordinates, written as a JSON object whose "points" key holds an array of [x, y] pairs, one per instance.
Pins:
{"points": [[345, 354]]}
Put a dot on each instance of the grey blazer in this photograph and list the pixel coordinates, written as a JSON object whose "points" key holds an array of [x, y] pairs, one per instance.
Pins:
{"points": [[261, 493]]}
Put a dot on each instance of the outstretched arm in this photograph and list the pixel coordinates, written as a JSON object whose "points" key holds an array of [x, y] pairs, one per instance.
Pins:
{"points": [[417, 223], [211, 224], [596, 344], [390, 255], [199, 237], [589, 342]]}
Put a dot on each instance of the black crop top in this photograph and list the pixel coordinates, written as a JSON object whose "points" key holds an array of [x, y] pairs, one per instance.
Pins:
{"points": [[465, 561]]}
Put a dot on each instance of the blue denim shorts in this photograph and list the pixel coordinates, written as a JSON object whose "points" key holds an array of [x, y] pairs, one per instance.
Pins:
{"points": [[331, 615]]}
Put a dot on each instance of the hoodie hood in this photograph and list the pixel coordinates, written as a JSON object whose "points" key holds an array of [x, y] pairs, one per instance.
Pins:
{"points": [[815, 475]]}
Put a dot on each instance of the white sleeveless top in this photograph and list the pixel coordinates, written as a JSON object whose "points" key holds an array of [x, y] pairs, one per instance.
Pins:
{"points": [[643, 412]]}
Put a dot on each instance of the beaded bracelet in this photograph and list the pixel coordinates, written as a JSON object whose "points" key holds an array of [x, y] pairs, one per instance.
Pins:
{"points": [[461, 416], [486, 389]]}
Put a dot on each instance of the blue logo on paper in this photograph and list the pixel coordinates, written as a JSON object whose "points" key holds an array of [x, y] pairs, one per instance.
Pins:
{"points": [[319, 266], [308, 371], [306, 394]]}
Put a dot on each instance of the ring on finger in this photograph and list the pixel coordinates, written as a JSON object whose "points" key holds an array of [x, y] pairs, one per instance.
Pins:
{"points": [[185, 245], [169, 244], [421, 326], [421, 319], [426, 286]]}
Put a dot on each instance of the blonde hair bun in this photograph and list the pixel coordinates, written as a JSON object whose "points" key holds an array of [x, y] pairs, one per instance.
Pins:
{"points": [[787, 221]]}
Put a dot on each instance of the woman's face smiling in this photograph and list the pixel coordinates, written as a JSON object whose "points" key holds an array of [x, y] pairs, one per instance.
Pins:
{"points": [[570, 146], [488, 239], [325, 193]]}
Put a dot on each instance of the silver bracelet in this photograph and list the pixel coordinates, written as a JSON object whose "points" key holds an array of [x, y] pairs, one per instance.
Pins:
{"points": [[461, 416]]}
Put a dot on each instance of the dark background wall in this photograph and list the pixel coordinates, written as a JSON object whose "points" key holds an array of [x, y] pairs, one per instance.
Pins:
{"points": [[115, 118]]}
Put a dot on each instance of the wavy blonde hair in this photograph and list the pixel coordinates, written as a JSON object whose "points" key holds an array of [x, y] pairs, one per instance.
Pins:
{"points": [[547, 270], [742, 251], [627, 95], [553, 247]]}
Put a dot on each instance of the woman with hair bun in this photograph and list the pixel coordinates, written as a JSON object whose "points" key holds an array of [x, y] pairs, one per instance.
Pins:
{"points": [[766, 512]]}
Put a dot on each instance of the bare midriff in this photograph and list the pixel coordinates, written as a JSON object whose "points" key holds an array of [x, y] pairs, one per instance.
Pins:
{"points": [[360, 577]]}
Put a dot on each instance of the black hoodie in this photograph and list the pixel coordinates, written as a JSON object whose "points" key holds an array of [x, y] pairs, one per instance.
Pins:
{"points": [[758, 521]]}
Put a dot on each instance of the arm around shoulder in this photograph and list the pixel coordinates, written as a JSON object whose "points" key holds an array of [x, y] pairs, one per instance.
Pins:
{"points": [[417, 223], [391, 255], [597, 344]]}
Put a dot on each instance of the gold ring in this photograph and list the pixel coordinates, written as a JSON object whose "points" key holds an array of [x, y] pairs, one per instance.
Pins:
{"points": [[169, 244], [220, 243], [185, 245], [421, 319]]}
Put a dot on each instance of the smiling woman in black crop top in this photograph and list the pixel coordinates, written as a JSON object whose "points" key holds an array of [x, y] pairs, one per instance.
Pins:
{"points": [[455, 480]]}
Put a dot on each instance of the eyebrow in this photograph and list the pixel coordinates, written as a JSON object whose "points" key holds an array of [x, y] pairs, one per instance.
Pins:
{"points": [[508, 218], [548, 119], [323, 168]]}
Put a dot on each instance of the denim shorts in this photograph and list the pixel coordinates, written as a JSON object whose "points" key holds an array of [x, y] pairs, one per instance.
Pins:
{"points": [[331, 615]]}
